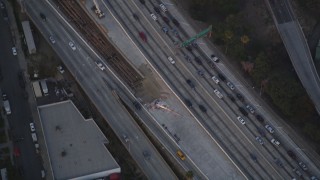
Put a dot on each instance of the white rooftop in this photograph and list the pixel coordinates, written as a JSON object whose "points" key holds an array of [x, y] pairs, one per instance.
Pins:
{"points": [[75, 145]]}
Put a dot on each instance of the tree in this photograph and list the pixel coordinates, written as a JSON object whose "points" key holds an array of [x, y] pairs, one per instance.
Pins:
{"points": [[262, 68], [244, 39], [189, 175], [227, 38]]}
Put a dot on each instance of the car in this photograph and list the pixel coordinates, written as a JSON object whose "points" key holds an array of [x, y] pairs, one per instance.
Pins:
{"points": [[200, 73], [253, 157], [171, 60], [165, 29], [146, 155], [181, 155], [250, 108], [278, 162], [154, 17], [243, 111], [313, 178], [221, 77], [190, 83], [4, 97], [215, 79], [175, 32], [292, 154], [187, 58], [142, 2], [60, 69], [259, 118], [43, 17], [125, 137], [32, 128], [14, 51], [214, 58], [188, 103], [241, 120], [240, 97], [202, 108], [137, 105], [143, 36], [100, 65], [218, 93], [188, 48], [231, 97], [259, 139], [135, 16], [2, 5], [275, 142], [297, 172], [198, 60], [269, 128], [71, 44], [157, 10], [163, 8], [165, 19], [16, 152], [230, 85], [212, 65], [53, 41], [303, 166], [175, 22], [261, 132]]}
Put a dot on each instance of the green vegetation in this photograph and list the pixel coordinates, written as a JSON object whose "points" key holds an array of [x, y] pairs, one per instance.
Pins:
{"points": [[265, 63], [3, 137]]}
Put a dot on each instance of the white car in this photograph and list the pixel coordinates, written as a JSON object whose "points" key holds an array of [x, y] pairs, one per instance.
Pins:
{"points": [[163, 7], [269, 128], [215, 79], [73, 47], [241, 120], [275, 142], [100, 65], [154, 17], [32, 128], [250, 108], [230, 85], [53, 41], [14, 51], [60, 69], [171, 60]]}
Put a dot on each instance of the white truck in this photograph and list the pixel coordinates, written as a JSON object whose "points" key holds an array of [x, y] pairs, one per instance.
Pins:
{"points": [[36, 89], [34, 137], [6, 104], [44, 87]]}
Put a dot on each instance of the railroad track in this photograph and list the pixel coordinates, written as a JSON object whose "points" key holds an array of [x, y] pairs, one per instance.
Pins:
{"points": [[91, 32]]}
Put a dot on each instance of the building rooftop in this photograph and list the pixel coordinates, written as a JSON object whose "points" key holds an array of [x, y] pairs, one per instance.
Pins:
{"points": [[75, 145]]}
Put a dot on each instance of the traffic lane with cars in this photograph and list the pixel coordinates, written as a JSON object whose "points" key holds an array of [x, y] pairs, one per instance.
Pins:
{"points": [[159, 169], [21, 117]]}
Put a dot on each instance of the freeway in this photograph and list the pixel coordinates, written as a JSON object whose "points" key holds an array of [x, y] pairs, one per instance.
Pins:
{"points": [[167, 73], [90, 77], [274, 152], [297, 47]]}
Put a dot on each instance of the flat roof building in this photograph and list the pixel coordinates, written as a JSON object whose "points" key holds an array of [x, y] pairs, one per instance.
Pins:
{"points": [[75, 146]]}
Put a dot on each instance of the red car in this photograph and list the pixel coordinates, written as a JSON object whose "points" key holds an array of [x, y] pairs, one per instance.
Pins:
{"points": [[16, 152], [143, 36]]}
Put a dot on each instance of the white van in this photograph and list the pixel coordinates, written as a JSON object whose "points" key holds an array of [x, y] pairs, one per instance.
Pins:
{"points": [[44, 87]]}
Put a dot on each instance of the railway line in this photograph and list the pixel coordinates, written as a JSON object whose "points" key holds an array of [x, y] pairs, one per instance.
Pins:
{"points": [[99, 41]]}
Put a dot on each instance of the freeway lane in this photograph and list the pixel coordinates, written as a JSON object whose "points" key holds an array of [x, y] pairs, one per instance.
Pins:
{"points": [[169, 67], [90, 78]]}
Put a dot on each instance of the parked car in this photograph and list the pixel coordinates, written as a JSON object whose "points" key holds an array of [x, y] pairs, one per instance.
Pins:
{"points": [[32, 128]]}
